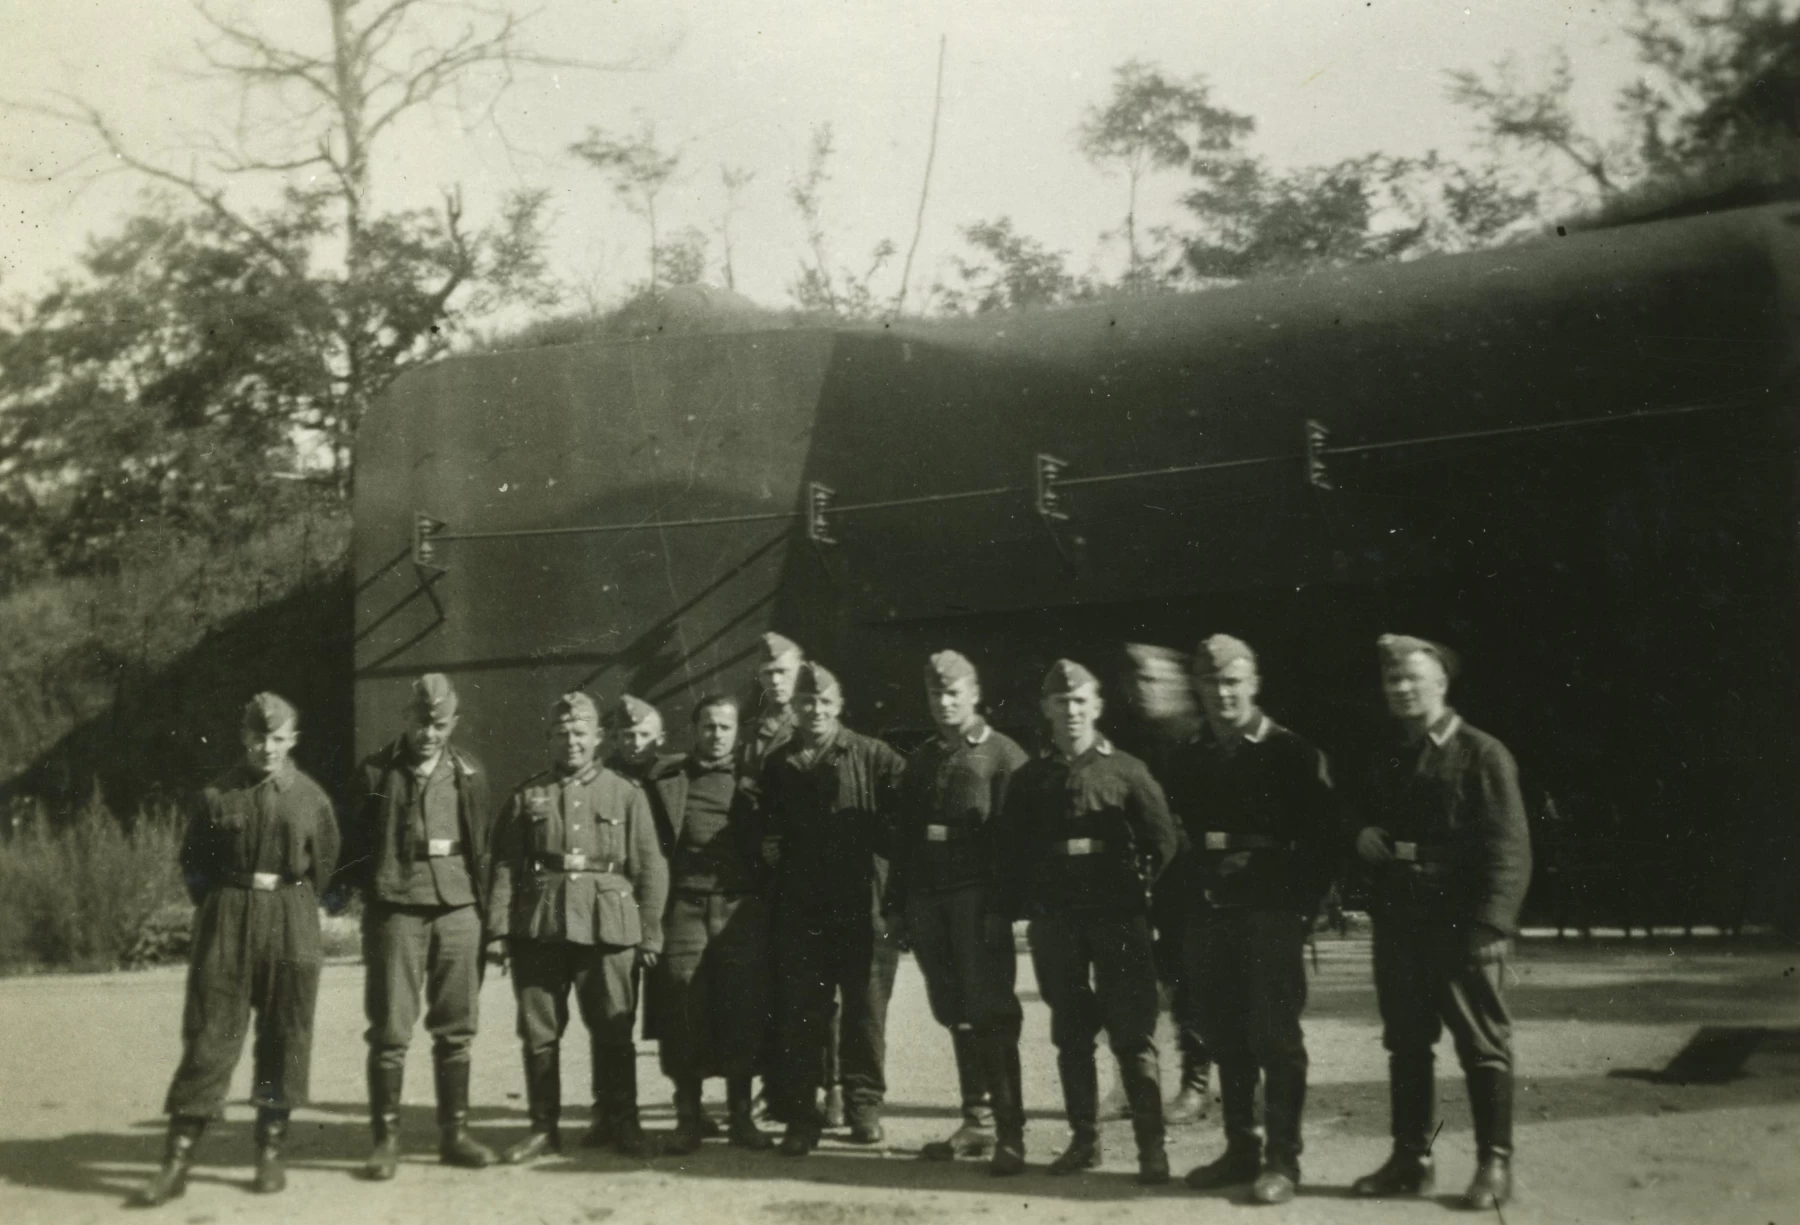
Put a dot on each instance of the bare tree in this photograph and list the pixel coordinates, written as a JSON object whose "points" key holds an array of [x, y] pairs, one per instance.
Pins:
{"points": [[845, 293], [639, 169], [1529, 117]]}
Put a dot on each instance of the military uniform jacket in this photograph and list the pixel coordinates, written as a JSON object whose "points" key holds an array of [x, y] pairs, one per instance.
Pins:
{"points": [[769, 730], [1254, 818], [577, 859], [1086, 835], [949, 795], [379, 842], [1452, 807], [742, 836], [245, 823], [833, 818]]}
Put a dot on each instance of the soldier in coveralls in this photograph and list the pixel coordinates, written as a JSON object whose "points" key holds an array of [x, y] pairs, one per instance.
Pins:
{"points": [[1253, 799], [260, 848], [954, 786], [712, 984], [1087, 831], [579, 889], [829, 796], [416, 844], [1451, 854]]}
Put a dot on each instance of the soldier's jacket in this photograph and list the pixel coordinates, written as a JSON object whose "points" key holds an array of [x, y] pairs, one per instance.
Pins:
{"points": [[833, 818], [577, 859], [379, 843], [1255, 819], [1087, 835], [732, 861], [764, 732], [1452, 807], [245, 823], [949, 795]]}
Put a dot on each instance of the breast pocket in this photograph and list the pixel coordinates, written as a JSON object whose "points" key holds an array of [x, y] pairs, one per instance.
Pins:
{"points": [[616, 918]]}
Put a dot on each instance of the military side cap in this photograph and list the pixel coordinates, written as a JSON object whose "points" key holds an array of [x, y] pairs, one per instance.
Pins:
{"points": [[946, 668], [1215, 652], [817, 679], [774, 646], [1066, 676], [269, 712], [576, 707], [631, 711], [1394, 648], [434, 695]]}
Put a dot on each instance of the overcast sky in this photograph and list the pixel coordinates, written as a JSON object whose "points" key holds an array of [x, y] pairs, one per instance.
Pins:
{"points": [[745, 81]]}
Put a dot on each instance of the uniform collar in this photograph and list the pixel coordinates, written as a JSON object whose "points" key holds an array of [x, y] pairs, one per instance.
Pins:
{"points": [[1446, 727], [724, 765], [1102, 747], [584, 775], [977, 736], [281, 780], [1256, 735]]}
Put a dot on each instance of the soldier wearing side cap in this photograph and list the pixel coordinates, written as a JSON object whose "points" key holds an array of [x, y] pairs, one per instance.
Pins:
{"points": [[1253, 799], [1445, 835], [828, 795], [416, 838], [954, 785], [260, 847], [1085, 833], [579, 888], [770, 722]]}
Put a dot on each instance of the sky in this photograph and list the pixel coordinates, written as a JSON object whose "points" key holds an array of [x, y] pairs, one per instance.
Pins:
{"points": [[745, 82]]}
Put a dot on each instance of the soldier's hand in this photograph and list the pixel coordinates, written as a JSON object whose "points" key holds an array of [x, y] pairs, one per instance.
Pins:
{"points": [[1372, 845], [1487, 945], [771, 851], [646, 957], [495, 954]]}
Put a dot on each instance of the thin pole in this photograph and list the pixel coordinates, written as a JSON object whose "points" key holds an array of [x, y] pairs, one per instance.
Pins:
{"points": [[937, 109]]}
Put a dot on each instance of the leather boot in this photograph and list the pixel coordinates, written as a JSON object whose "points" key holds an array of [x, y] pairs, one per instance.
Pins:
{"points": [[170, 1180], [1241, 1161], [1143, 1090], [1403, 1173], [832, 1113], [271, 1134], [975, 1138], [455, 1145], [385, 1084], [1284, 1100], [687, 1134], [741, 1103], [1237, 1166], [1081, 1102], [543, 1095], [629, 1139], [1000, 1060], [1491, 1102], [1412, 1103], [600, 1132]]}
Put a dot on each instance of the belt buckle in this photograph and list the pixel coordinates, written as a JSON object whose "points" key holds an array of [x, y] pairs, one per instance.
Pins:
{"points": [[439, 847], [574, 861], [1406, 852], [937, 833], [1081, 846], [265, 882], [1216, 841]]}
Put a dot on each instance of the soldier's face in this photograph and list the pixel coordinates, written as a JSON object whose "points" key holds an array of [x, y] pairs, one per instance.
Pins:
{"points": [[573, 744], [1228, 696], [639, 742], [1416, 687], [953, 705], [426, 734], [267, 752], [778, 677], [1074, 717], [818, 712], [716, 732]]}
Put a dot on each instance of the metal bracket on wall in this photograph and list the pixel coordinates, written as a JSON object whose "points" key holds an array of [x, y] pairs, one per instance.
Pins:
{"points": [[1047, 473]]}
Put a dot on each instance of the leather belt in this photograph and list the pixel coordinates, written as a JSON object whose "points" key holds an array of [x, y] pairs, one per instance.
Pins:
{"points": [[260, 882], [442, 848], [947, 833], [1216, 841], [576, 861], [1078, 846]]}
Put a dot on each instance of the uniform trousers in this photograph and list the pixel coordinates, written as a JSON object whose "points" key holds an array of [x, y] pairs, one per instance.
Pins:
{"points": [[969, 978], [601, 977], [1248, 968], [412, 949], [255, 953], [816, 957], [713, 984]]}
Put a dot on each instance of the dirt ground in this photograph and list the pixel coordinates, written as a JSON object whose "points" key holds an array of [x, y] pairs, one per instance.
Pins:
{"points": [[1606, 1134]]}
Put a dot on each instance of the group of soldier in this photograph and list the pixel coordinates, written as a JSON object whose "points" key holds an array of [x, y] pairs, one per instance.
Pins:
{"points": [[762, 885]]}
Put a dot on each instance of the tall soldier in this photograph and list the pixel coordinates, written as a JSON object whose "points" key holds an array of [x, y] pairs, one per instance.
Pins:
{"points": [[713, 979], [772, 709], [416, 844], [1086, 832], [953, 786], [829, 795], [579, 889], [260, 847], [1451, 855], [1253, 799]]}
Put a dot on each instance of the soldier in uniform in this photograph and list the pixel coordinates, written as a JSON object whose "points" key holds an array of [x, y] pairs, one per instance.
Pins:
{"points": [[772, 710], [260, 847], [953, 786], [1447, 842], [829, 795], [416, 844], [712, 983], [578, 893], [1253, 799], [1085, 832]]}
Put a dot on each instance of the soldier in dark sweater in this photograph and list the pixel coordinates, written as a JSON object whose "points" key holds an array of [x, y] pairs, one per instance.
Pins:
{"points": [[1253, 801], [1444, 831], [1084, 835]]}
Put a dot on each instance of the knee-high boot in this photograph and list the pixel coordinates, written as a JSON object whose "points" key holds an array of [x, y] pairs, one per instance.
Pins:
{"points": [[170, 1180], [543, 1095]]}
